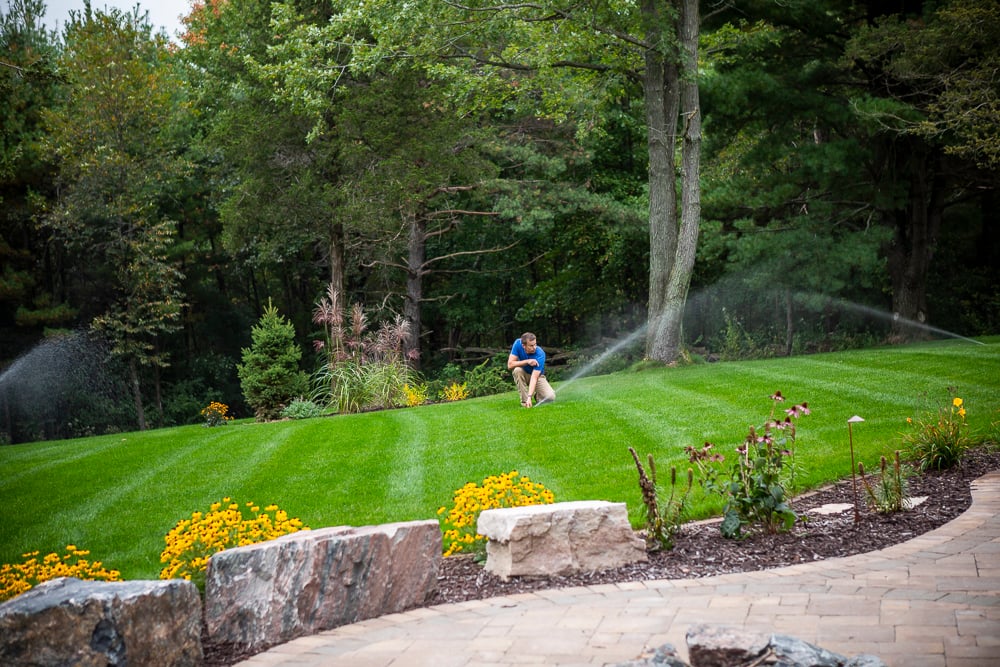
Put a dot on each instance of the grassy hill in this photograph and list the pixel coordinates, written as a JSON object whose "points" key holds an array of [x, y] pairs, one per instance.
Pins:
{"points": [[118, 495]]}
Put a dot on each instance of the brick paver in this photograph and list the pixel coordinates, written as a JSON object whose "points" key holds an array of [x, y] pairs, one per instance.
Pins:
{"points": [[931, 602]]}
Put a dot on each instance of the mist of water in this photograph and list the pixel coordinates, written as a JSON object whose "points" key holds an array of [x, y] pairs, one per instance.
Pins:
{"points": [[714, 297], [894, 318], [614, 349], [63, 387], [748, 298]]}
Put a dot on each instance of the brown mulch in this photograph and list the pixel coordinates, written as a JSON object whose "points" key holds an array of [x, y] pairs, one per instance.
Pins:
{"points": [[701, 551]]}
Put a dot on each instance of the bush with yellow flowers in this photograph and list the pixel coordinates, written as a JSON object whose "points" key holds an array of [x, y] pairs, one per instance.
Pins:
{"points": [[216, 414], [226, 524], [415, 394], [455, 392], [458, 522], [20, 577]]}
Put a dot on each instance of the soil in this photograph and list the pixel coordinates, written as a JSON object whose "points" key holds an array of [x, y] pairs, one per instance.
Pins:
{"points": [[701, 551]]}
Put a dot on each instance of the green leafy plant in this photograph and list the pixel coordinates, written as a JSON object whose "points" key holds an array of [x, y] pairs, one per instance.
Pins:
{"points": [[485, 379], [736, 342], [663, 517], [889, 492], [458, 522], [270, 375], [226, 524], [216, 414], [302, 408], [940, 438], [755, 484]]}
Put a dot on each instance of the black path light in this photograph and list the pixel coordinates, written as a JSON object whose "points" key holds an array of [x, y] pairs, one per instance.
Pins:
{"points": [[854, 481]]}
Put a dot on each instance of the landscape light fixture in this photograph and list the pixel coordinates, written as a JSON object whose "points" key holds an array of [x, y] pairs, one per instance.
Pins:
{"points": [[854, 481]]}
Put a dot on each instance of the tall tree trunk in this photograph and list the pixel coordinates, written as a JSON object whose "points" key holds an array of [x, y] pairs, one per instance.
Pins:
{"points": [[916, 229], [789, 323], [158, 393], [662, 105], [140, 415], [672, 113], [415, 259]]}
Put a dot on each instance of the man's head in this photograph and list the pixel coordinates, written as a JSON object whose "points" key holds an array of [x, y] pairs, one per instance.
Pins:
{"points": [[529, 342]]}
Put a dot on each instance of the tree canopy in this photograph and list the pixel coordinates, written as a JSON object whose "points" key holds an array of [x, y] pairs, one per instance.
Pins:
{"points": [[742, 177]]}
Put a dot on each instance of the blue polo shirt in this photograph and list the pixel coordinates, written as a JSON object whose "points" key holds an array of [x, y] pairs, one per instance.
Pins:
{"points": [[539, 355]]}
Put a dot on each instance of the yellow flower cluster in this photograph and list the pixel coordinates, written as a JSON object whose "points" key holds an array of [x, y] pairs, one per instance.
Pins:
{"points": [[458, 524], [455, 392], [216, 414], [957, 403], [415, 395], [18, 578], [227, 524]]}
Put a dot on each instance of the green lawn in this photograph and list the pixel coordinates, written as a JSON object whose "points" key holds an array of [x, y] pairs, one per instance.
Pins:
{"points": [[119, 495]]}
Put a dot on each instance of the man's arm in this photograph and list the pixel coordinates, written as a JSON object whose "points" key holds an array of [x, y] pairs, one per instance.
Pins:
{"points": [[532, 382], [513, 362]]}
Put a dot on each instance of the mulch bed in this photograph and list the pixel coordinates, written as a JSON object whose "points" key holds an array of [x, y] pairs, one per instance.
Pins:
{"points": [[701, 551]]}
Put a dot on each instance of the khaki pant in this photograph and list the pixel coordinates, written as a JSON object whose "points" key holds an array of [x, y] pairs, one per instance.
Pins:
{"points": [[543, 390]]}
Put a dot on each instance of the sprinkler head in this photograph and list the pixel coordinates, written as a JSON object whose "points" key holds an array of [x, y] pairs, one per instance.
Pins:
{"points": [[544, 400]]}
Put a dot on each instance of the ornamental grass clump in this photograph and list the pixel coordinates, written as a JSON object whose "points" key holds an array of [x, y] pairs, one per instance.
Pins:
{"points": [[755, 485], [20, 577], [361, 369], [227, 524], [458, 522], [941, 438], [888, 493]]}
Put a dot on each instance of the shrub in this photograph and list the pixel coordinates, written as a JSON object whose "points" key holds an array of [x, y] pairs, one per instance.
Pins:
{"points": [[458, 523], [270, 375], [415, 394], [488, 378], [216, 414], [191, 542], [20, 577], [941, 438], [663, 518], [455, 392], [755, 485], [302, 409]]}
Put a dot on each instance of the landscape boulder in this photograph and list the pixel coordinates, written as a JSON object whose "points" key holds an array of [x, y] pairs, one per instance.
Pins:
{"points": [[306, 582], [720, 646], [67, 621], [559, 539]]}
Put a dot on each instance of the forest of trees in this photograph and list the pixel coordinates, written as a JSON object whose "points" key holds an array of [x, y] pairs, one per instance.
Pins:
{"points": [[736, 177]]}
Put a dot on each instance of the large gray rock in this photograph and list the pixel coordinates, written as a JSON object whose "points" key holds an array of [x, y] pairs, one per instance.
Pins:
{"points": [[558, 539], [662, 656], [314, 580], [100, 623], [720, 646]]}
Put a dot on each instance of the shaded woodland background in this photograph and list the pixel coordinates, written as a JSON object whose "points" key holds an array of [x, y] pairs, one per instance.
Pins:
{"points": [[156, 197]]}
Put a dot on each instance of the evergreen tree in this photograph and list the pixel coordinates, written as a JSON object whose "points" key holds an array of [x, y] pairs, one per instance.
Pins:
{"points": [[270, 374]]}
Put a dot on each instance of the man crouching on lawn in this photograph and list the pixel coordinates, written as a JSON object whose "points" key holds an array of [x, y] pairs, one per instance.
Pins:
{"points": [[527, 363]]}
